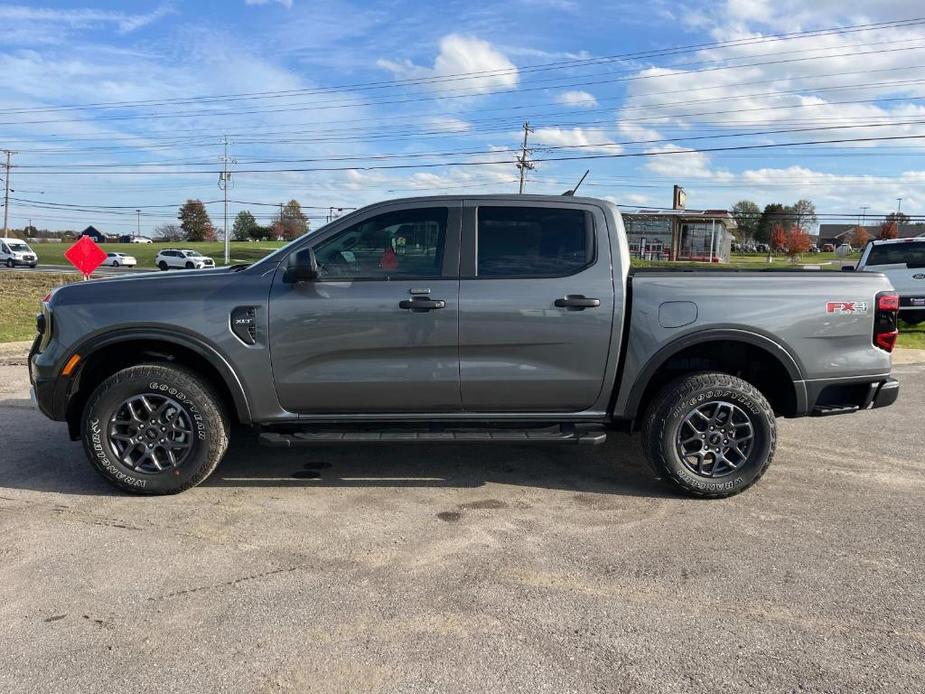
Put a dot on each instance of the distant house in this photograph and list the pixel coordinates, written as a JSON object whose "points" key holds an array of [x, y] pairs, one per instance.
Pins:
{"points": [[837, 234], [94, 234]]}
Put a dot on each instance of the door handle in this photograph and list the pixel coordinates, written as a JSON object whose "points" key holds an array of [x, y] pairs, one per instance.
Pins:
{"points": [[579, 302], [421, 303]]}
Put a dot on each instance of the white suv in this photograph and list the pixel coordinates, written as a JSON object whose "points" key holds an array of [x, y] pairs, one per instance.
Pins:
{"points": [[182, 258]]}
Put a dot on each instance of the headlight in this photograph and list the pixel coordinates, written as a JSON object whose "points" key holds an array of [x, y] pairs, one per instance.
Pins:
{"points": [[43, 324]]}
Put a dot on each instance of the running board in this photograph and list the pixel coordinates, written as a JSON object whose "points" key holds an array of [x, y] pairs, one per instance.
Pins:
{"points": [[564, 434], [829, 410]]}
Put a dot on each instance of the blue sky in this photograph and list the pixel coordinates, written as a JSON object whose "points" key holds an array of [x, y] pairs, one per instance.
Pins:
{"points": [[346, 89]]}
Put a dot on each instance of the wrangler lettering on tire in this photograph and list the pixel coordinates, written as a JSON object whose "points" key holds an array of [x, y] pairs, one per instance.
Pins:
{"points": [[710, 434]]}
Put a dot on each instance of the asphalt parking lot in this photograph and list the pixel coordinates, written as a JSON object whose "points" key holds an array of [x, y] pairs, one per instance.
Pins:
{"points": [[508, 569]]}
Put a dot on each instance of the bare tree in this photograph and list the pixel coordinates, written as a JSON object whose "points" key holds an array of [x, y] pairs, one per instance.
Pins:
{"points": [[169, 232]]}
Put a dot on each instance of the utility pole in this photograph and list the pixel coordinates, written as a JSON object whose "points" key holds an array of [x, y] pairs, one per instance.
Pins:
{"points": [[863, 215], [138, 225], [523, 163], [224, 182], [6, 195]]}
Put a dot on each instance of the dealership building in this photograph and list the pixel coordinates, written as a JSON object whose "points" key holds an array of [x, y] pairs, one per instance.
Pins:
{"points": [[703, 235]]}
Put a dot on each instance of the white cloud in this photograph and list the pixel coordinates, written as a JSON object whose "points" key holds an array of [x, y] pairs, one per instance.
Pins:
{"points": [[82, 18], [588, 139], [824, 73], [578, 98], [461, 54], [681, 163], [447, 124], [285, 3]]}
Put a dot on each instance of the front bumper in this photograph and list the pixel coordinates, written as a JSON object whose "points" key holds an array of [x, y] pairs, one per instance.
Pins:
{"points": [[25, 261], [49, 390]]}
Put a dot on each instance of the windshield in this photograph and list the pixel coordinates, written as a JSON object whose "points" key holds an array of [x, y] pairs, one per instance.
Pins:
{"points": [[193, 254], [18, 246], [897, 253]]}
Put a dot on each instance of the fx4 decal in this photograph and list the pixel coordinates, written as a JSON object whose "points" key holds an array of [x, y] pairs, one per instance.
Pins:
{"points": [[850, 308]]}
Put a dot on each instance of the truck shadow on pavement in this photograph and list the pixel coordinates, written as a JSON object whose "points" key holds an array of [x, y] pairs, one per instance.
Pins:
{"points": [[54, 464], [617, 467]]}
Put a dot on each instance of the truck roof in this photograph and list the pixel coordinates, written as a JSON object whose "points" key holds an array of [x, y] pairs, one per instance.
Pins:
{"points": [[513, 197], [883, 242]]}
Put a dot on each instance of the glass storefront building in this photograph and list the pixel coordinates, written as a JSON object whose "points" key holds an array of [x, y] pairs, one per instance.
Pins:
{"points": [[680, 234]]}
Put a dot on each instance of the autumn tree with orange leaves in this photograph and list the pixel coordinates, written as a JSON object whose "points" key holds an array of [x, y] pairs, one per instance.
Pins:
{"points": [[860, 237], [778, 237], [888, 230]]}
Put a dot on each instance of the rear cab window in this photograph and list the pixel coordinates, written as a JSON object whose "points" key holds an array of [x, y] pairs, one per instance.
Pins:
{"points": [[897, 253], [523, 242]]}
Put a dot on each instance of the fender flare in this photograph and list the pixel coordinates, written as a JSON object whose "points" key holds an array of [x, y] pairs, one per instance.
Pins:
{"points": [[749, 337], [89, 346]]}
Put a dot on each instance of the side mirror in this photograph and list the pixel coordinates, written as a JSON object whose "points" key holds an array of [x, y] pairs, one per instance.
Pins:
{"points": [[303, 267], [847, 268]]}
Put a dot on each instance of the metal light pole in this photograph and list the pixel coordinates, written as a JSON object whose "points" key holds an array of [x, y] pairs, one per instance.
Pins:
{"points": [[138, 225]]}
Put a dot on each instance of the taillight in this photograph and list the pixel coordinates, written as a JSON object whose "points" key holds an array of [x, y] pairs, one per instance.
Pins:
{"points": [[888, 301], [885, 321]]}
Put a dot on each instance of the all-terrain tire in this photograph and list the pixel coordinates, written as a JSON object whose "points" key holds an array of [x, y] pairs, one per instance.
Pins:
{"points": [[186, 401], [664, 429]]}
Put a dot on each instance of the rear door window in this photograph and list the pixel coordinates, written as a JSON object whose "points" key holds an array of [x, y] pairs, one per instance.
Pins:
{"points": [[533, 242]]}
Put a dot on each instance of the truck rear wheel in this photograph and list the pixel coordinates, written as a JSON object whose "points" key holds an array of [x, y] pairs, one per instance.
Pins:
{"points": [[710, 434], [154, 429]]}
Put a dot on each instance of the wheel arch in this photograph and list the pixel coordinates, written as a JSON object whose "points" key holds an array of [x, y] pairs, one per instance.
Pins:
{"points": [[103, 355], [756, 358]]}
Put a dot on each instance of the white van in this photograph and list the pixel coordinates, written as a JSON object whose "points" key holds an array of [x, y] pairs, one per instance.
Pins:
{"points": [[15, 252]]}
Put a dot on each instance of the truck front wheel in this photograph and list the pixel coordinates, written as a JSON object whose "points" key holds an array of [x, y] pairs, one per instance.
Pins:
{"points": [[710, 434], [154, 429]]}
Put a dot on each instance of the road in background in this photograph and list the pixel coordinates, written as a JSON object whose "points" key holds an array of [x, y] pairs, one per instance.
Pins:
{"points": [[481, 568], [101, 270]]}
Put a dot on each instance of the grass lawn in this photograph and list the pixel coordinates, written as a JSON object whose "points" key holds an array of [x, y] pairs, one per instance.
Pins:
{"points": [[911, 336], [759, 261], [241, 252], [20, 295]]}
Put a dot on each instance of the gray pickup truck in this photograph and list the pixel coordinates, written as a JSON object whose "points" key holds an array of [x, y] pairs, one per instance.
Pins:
{"points": [[493, 319]]}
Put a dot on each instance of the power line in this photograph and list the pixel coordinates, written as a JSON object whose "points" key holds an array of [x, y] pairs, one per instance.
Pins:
{"points": [[418, 99], [641, 55], [428, 165], [451, 153]]}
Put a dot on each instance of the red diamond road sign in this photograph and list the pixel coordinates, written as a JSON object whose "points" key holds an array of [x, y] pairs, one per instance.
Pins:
{"points": [[85, 255]]}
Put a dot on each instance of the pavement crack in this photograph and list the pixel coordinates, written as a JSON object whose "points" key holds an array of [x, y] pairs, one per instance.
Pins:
{"points": [[226, 584]]}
